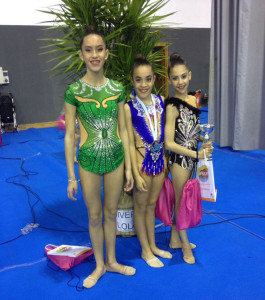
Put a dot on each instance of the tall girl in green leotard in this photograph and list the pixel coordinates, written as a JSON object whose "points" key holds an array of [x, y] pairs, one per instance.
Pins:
{"points": [[98, 103]]}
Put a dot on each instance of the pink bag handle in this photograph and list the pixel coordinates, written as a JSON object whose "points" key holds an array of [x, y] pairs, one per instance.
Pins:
{"points": [[50, 247]]}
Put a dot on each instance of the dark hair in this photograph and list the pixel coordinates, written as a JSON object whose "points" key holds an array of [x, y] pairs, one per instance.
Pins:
{"points": [[91, 29], [176, 60], [140, 60]]}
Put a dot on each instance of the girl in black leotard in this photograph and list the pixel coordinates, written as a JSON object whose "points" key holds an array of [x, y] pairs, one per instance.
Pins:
{"points": [[182, 134]]}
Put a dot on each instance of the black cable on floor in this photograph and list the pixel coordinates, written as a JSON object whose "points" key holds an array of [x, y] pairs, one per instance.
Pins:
{"points": [[227, 220], [55, 229], [237, 225], [9, 241], [77, 287], [242, 216], [16, 180], [29, 192]]}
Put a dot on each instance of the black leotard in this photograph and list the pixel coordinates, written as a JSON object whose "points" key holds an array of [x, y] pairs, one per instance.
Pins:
{"points": [[187, 131]]}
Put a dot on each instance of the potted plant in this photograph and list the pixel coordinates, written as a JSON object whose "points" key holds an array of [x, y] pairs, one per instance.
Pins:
{"points": [[129, 27]]}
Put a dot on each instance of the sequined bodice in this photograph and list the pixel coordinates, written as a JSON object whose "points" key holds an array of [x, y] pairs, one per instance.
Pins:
{"points": [[97, 113], [187, 130], [153, 162]]}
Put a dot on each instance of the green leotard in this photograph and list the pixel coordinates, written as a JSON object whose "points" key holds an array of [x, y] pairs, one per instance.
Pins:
{"points": [[101, 149]]}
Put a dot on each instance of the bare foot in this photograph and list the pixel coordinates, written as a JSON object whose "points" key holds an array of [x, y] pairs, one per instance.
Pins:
{"points": [[121, 269], [187, 254], [161, 253], [93, 278], [153, 261]]}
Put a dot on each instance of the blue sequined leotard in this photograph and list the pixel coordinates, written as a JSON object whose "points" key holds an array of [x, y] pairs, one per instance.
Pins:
{"points": [[153, 160]]}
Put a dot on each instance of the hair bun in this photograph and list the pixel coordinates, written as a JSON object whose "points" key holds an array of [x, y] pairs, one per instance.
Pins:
{"points": [[176, 58], [91, 29], [140, 58]]}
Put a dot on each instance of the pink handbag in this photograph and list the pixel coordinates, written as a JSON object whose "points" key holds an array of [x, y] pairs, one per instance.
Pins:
{"points": [[190, 210], [165, 203], [61, 122], [64, 261]]}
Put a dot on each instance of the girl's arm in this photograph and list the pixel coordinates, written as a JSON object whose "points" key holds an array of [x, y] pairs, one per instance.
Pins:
{"points": [[125, 142], [170, 144], [140, 183], [69, 143]]}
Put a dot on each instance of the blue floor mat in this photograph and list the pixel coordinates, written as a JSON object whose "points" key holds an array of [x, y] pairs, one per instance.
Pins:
{"points": [[230, 261]]}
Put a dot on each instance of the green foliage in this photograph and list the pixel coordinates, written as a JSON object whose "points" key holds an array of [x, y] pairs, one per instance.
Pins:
{"points": [[129, 27]]}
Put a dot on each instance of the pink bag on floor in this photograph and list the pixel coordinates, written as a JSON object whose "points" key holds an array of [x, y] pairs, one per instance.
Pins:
{"points": [[165, 203], [190, 210], [66, 256]]}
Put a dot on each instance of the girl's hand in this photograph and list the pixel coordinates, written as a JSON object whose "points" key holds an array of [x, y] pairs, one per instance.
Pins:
{"points": [[72, 190], [140, 184], [208, 152], [129, 181], [208, 144]]}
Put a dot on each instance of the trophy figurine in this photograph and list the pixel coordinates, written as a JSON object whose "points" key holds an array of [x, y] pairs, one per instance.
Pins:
{"points": [[207, 129]]}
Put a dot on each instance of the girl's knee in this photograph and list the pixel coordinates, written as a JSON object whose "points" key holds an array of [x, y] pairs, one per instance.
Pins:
{"points": [[95, 219], [110, 214], [140, 209], [151, 206]]}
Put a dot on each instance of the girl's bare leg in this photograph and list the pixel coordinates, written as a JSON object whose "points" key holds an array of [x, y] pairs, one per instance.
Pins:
{"points": [[155, 188], [179, 178], [113, 184], [140, 224], [175, 242], [91, 189]]}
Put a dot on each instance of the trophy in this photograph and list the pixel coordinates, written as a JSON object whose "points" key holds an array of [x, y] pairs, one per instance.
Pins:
{"points": [[207, 129]]}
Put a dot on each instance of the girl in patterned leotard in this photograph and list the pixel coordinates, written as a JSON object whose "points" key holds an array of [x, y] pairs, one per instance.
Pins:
{"points": [[182, 135], [145, 123], [98, 103]]}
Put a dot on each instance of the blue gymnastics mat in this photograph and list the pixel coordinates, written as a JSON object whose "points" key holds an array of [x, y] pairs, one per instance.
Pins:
{"points": [[230, 240]]}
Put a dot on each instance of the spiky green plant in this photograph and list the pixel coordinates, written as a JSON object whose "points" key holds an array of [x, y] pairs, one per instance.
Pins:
{"points": [[129, 27]]}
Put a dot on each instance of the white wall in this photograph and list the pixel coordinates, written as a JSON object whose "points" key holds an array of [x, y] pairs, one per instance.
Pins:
{"points": [[190, 13], [24, 12]]}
